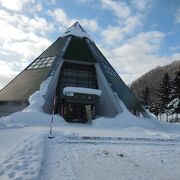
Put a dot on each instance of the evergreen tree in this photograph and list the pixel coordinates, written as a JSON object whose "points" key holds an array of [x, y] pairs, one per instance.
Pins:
{"points": [[164, 94], [145, 97], [176, 85], [154, 108], [175, 103]]}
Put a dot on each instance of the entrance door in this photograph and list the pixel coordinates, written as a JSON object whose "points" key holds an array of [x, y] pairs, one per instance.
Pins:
{"points": [[75, 113]]}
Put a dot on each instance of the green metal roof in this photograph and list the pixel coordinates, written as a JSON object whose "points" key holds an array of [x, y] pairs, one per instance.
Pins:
{"points": [[55, 48], [25, 84], [78, 50]]}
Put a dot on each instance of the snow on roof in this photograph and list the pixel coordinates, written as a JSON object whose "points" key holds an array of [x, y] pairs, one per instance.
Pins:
{"points": [[68, 90], [77, 30]]}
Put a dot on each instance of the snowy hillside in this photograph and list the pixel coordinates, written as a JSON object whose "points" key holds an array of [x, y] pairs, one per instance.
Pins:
{"points": [[123, 147]]}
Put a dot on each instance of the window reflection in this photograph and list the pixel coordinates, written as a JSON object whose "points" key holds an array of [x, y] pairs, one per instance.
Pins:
{"points": [[42, 63]]}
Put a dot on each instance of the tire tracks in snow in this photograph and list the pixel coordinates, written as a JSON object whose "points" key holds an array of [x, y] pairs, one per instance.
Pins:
{"points": [[118, 140], [63, 156]]}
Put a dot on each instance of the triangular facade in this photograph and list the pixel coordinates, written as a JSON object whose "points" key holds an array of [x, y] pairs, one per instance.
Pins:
{"points": [[83, 83]]}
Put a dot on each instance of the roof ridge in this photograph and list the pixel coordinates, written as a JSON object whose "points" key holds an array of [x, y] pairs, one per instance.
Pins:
{"points": [[77, 30]]}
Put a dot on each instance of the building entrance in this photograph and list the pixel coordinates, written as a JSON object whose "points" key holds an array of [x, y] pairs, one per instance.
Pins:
{"points": [[74, 113], [79, 113], [77, 105]]}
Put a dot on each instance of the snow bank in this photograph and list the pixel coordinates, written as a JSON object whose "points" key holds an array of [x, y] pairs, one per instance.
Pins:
{"points": [[32, 115], [124, 120], [127, 120], [24, 161], [71, 90], [21, 119], [36, 100]]}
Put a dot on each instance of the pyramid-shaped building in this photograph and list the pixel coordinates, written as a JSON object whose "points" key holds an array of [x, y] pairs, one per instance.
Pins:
{"points": [[83, 83]]}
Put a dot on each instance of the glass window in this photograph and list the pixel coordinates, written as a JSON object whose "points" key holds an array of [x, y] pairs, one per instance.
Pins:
{"points": [[83, 85], [45, 61], [36, 60], [30, 67], [83, 74], [71, 81], [42, 65], [110, 70], [70, 84], [48, 64], [48, 58], [71, 73], [51, 60], [79, 77], [38, 63], [90, 74], [35, 67], [42, 59], [42, 62], [33, 64], [80, 81]]}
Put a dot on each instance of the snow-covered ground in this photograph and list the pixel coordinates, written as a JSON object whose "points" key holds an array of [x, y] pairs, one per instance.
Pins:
{"points": [[123, 147], [88, 151], [110, 159]]}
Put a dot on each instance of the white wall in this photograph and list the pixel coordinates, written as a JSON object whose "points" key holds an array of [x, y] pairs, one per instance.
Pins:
{"points": [[108, 104], [49, 97]]}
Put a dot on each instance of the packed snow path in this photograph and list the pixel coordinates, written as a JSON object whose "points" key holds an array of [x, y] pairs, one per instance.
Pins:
{"points": [[91, 158]]}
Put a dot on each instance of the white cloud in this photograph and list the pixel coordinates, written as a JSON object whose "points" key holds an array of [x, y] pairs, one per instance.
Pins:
{"points": [[5, 78], [15, 5], [23, 35], [175, 48], [21, 40], [138, 55], [141, 5], [117, 33], [36, 8], [90, 4], [90, 24], [6, 72], [61, 17], [27, 48], [20, 22], [83, 1], [119, 8], [177, 16], [127, 22], [148, 42], [176, 56], [52, 1], [131, 23], [112, 34]]}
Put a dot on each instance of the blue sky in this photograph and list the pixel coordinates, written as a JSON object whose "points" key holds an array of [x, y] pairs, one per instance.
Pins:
{"points": [[134, 35]]}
